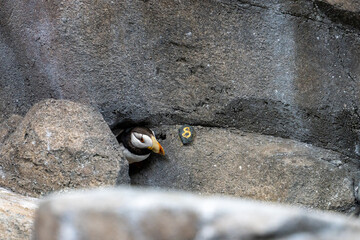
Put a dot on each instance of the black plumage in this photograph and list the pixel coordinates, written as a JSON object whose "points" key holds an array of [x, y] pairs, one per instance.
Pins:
{"points": [[119, 126], [125, 139], [131, 135], [123, 129]]}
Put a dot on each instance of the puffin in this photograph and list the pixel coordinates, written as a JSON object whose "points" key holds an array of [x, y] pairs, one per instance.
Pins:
{"points": [[137, 140]]}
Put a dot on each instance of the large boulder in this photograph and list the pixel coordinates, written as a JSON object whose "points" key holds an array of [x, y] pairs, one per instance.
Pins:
{"points": [[283, 68], [61, 144], [232, 162], [141, 214], [16, 216]]}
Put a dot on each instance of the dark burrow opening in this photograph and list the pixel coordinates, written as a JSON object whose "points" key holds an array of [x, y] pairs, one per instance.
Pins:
{"points": [[137, 167]]}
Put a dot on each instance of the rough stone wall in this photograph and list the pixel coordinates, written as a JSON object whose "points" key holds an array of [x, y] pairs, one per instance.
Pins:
{"points": [[284, 68], [280, 67], [346, 5]]}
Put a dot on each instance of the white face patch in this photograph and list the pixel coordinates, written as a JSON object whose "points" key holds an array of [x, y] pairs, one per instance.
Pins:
{"points": [[141, 140]]}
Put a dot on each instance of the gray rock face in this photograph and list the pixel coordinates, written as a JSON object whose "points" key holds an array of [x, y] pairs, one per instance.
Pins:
{"points": [[254, 166], [141, 214], [283, 68], [346, 12], [8, 126], [16, 216], [346, 5], [61, 144]]}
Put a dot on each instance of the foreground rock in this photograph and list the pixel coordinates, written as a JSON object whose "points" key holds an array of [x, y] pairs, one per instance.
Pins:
{"points": [[142, 214], [254, 166], [61, 144], [16, 216]]}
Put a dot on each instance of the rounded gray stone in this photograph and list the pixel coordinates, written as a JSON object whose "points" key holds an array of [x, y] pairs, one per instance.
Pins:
{"points": [[186, 134]]}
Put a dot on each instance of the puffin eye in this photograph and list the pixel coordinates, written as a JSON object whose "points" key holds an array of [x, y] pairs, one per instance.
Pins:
{"points": [[142, 139]]}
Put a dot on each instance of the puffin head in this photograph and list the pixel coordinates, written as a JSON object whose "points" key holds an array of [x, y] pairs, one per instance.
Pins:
{"points": [[138, 141], [144, 138]]}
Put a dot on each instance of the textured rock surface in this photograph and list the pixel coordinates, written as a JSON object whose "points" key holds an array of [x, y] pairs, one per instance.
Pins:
{"points": [[345, 12], [347, 5], [141, 214], [8, 126], [61, 144], [16, 216], [284, 68], [253, 166]]}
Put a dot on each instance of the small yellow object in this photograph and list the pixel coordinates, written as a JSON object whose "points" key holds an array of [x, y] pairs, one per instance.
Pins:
{"points": [[186, 133]]}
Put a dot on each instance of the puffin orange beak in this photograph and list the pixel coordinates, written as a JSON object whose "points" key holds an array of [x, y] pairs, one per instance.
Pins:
{"points": [[156, 147]]}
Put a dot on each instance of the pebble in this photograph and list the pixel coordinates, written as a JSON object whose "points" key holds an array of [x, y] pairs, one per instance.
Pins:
{"points": [[187, 134]]}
